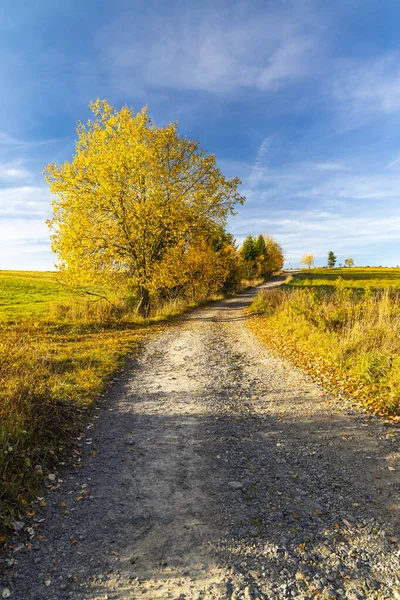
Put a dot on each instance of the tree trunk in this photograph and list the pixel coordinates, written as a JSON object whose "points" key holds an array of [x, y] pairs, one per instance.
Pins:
{"points": [[143, 308]]}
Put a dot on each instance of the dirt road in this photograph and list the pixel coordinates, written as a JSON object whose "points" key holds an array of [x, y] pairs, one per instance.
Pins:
{"points": [[215, 471]]}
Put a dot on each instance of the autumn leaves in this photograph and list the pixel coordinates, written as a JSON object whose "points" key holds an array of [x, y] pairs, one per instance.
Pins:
{"points": [[141, 210]]}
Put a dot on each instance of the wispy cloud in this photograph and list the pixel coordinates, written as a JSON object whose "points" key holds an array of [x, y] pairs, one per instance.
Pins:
{"points": [[259, 167], [213, 49], [368, 86], [24, 202], [8, 141], [14, 171], [331, 166]]}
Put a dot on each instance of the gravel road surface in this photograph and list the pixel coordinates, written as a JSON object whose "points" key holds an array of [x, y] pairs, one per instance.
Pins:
{"points": [[212, 470]]}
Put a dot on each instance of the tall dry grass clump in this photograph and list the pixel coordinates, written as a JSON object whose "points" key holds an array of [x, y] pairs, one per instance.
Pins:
{"points": [[356, 333], [32, 419]]}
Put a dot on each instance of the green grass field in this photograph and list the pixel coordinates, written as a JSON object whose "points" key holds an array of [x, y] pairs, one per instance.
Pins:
{"points": [[28, 294], [361, 278]]}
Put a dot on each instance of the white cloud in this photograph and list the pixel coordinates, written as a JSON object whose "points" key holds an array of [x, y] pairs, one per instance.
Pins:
{"points": [[394, 162], [368, 86], [310, 209], [259, 168], [212, 49], [14, 171], [24, 235], [26, 202], [330, 166]]}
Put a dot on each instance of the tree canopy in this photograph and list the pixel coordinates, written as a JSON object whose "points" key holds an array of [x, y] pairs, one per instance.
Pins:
{"points": [[133, 198], [307, 260]]}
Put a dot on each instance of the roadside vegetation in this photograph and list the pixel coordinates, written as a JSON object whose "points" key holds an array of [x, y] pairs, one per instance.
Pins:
{"points": [[342, 327]]}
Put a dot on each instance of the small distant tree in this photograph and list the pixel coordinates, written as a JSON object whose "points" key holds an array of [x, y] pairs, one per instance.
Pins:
{"points": [[331, 259], [349, 262], [308, 261]]}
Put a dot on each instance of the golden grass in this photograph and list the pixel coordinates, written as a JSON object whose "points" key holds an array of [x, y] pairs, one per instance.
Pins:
{"points": [[346, 339], [50, 374]]}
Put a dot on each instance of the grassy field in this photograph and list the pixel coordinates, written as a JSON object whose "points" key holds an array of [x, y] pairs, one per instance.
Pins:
{"points": [[344, 331], [27, 294], [357, 278]]}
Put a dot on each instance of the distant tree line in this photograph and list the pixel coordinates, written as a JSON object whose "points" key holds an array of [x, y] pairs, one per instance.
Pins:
{"points": [[308, 261]]}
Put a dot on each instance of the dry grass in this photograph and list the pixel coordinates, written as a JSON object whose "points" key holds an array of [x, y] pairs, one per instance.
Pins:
{"points": [[50, 375], [346, 338], [245, 284]]}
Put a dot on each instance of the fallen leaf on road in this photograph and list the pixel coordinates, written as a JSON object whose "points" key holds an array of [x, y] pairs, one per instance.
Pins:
{"points": [[347, 523]]}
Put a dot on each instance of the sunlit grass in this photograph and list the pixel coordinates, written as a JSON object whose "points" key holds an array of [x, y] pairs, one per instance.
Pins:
{"points": [[347, 339], [361, 278], [27, 294]]}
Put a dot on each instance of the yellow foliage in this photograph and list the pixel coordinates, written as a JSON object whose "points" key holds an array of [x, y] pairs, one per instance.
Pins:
{"points": [[307, 260], [133, 196], [275, 257], [200, 271]]}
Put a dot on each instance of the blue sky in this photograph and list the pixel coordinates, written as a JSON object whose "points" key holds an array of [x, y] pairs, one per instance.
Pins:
{"points": [[299, 98]]}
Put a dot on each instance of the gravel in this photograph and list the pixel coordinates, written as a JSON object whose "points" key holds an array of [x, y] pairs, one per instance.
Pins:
{"points": [[212, 470]]}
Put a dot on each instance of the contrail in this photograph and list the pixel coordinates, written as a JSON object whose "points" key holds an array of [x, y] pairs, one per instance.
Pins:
{"points": [[392, 163]]}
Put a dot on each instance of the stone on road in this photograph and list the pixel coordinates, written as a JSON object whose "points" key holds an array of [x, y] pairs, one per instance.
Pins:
{"points": [[215, 471]]}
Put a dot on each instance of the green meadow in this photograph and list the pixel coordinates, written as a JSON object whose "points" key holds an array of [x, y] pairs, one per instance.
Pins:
{"points": [[361, 278], [28, 294]]}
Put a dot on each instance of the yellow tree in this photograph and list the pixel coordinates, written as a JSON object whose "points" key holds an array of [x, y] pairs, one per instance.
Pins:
{"points": [[274, 256], [203, 270], [349, 262], [307, 260], [132, 195]]}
